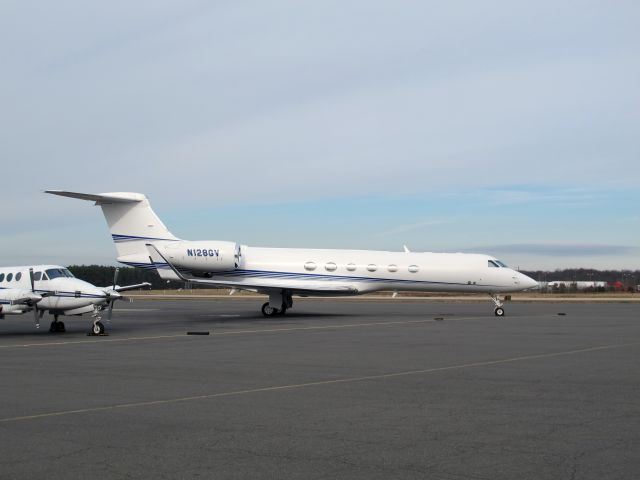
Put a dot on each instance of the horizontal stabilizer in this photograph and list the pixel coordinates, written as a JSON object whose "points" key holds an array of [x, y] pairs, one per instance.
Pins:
{"points": [[100, 198]]}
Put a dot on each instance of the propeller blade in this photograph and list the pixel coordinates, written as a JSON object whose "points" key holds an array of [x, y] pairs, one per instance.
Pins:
{"points": [[36, 318], [115, 278], [109, 313]]}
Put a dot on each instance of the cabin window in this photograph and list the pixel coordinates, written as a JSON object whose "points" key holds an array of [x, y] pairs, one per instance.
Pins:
{"points": [[492, 264], [37, 276], [1, 277], [310, 266], [371, 267], [9, 277], [330, 267], [414, 268], [44, 276], [18, 276], [392, 268], [351, 267]]}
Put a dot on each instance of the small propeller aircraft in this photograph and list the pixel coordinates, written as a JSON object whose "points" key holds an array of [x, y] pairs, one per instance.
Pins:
{"points": [[41, 288]]}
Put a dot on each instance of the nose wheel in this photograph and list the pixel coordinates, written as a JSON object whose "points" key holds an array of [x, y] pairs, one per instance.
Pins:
{"points": [[97, 328], [499, 310]]}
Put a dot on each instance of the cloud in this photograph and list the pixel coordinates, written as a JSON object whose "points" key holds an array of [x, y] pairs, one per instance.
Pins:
{"points": [[561, 249], [412, 227]]}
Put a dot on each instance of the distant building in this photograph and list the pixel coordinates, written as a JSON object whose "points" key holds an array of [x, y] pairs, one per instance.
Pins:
{"points": [[576, 285]]}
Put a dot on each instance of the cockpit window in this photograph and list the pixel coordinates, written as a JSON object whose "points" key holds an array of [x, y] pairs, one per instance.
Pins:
{"points": [[58, 272], [37, 276], [501, 264], [492, 264]]}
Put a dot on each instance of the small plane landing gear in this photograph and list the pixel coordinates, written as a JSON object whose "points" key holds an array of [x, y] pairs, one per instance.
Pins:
{"points": [[499, 310], [57, 326], [97, 328]]}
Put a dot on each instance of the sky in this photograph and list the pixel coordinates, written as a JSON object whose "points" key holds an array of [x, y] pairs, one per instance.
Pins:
{"points": [[509, 128]]}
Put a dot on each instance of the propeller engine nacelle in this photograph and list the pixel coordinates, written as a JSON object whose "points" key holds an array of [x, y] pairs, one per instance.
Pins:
{"points": [[12, 309], [205, 256]]}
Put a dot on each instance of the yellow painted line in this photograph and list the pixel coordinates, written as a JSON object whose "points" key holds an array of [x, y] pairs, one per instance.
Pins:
{"points": [[236, 332], [315, 384]]}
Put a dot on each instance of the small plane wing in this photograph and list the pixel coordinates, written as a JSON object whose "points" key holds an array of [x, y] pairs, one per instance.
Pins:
{"points": [[20, 297], [258, 284]]}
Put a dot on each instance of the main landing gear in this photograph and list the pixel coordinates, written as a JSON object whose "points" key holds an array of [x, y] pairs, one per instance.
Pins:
{"points": [[499, 310], [278, 304], [57, 326]]}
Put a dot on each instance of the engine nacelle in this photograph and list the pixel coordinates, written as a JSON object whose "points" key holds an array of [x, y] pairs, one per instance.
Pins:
{"points": [[13, 309], [205, 256]]}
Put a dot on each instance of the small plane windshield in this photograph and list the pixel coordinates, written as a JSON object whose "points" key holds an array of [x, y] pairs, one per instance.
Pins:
{"points": [[67, 273], [501, 264], [58, 272]]}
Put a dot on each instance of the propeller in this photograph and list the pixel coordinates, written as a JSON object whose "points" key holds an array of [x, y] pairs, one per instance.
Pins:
{"points": [[33, 302], [111, 300]]}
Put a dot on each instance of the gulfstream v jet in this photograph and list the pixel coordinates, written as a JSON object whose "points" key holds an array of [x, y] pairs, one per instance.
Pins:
{"points": [[143, 241]]}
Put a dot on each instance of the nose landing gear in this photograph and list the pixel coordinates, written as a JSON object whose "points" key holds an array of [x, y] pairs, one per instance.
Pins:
{"points": [[97, 328], [499, 310]]}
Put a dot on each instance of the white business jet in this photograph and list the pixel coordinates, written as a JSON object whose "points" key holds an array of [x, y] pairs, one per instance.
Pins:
{"points": [[143, 241], [41, 288]]}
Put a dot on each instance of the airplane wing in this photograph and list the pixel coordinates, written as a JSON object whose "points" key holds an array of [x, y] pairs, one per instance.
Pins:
{"points": [[258, 284], [132, 287], [16, 296]]}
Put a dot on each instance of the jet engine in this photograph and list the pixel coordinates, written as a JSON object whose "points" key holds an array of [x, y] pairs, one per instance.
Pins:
{"points": [[205, 256]]}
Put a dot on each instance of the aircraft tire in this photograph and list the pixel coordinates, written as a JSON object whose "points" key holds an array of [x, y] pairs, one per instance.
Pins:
{"points": [[57, 327], [97, 328], [268, 311], [499, 312]]}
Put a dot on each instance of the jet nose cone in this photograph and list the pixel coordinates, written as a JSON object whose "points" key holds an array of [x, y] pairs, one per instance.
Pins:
{"points": [[528, 282]]}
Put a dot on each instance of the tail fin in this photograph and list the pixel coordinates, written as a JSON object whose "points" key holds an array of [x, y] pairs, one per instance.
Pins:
{"points": [[131, 221]]}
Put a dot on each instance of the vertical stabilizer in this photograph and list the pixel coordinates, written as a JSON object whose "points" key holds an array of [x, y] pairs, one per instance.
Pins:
{"points": [[131, 221]]}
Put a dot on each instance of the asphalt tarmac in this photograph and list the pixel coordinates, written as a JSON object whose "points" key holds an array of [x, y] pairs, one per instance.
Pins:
{"points": [[336, 389]]}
